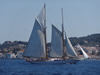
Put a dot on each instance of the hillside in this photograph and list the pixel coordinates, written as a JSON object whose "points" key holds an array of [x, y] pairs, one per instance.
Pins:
{"points": [[90, 40], [90, 43]]}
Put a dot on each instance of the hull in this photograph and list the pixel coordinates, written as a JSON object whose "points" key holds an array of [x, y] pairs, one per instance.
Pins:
{"points": [[69, 61]]}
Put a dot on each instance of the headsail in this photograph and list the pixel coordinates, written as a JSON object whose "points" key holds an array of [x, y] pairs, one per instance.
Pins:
{"points": [[84, 53], [36, 45], [69, 48], [56, 43]]}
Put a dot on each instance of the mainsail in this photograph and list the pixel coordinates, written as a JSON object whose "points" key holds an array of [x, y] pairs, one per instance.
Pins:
{"points": [[69, 48], [56, 43], [36, 45], [84, 53]]}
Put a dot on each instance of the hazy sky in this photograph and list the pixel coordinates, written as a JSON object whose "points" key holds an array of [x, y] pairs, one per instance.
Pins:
{"points": [[81, 17]]}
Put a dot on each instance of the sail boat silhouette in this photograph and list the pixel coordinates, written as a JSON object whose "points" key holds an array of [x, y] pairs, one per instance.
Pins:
{"points": [[36, 51]]}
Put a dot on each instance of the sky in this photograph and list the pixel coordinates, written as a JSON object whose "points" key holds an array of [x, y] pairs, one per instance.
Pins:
{"points": [[81, 17]]}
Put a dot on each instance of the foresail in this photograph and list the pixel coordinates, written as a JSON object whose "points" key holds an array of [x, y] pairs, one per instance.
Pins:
{"points": [[56, 43], [69, 48], [36, 45], [84, 53]]}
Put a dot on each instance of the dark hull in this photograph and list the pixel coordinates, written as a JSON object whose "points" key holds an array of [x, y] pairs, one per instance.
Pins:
{"points": [[69, 61]]}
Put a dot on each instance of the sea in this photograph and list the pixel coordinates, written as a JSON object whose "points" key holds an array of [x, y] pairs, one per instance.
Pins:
{"points": [[22, 67]]}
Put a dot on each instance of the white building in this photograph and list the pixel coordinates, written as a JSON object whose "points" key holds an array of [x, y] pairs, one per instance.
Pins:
{"points": [[10, 55]]}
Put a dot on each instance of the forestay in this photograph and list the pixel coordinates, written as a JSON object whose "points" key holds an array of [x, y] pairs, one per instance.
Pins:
{"points": [[56, 43]]}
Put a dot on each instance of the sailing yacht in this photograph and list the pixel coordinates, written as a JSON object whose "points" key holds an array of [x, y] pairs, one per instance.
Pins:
{"points": [[85, 56], [36, 51]]}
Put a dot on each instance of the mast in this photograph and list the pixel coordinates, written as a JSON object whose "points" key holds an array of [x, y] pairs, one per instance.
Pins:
{"points": [[45, 31], [64, 52]]}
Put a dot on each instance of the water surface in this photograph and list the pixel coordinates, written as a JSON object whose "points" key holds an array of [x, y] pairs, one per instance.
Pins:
{"points": [[21, 67]]}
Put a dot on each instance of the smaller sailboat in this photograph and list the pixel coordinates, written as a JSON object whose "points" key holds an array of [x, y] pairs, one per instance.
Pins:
{"points": [[85, 56]]}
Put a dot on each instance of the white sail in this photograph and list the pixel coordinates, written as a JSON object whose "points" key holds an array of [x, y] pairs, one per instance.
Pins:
{"points": [[42, 16], [69, 48], [56, 43], [84, 53], [36, 45]]}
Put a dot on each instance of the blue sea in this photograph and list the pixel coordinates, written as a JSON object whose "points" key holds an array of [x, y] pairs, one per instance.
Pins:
{"points": [[21, 67]]}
